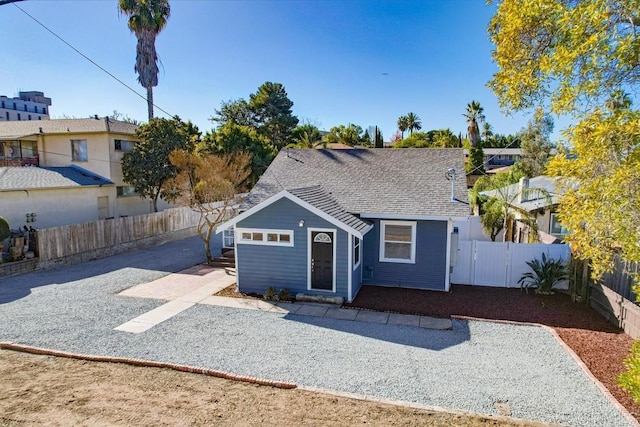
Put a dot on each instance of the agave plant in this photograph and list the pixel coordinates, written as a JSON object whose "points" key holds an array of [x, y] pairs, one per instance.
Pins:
{"points": [[544, 274]]}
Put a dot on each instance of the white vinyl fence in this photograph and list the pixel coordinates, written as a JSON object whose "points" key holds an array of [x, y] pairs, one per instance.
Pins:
{"points": [[499, 264]]}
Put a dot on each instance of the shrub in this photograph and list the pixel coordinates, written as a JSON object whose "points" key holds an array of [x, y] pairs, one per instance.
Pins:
{"points": [[5, 231], [284, 295], [269, 294], [630, 380], [544, 274]]}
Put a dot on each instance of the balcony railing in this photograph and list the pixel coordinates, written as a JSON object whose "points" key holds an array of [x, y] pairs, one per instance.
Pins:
{"points": [[19, 161]]}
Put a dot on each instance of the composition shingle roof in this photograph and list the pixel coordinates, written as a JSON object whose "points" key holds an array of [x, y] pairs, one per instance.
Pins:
{"points": [[319, 199], [29, 178], [30, 127], [395, 181]]}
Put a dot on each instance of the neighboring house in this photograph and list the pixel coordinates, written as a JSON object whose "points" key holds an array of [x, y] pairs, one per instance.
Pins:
{"points": [[498, 157], [325, 222], [27, 106], [95, 145], [538, 197], [52, 196]]}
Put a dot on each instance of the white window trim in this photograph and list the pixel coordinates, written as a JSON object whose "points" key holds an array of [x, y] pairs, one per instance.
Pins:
{"points": [[554, 216], [264, 231], [335, 247], [413, 226], [359, 252], [225, 236]]}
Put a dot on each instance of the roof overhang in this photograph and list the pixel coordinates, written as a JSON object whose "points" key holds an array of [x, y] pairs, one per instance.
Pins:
{"points": [[369, 215], [285, 194], [28, 137]]}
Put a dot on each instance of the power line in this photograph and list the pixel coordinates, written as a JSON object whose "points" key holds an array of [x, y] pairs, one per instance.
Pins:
{"points": [[87, 58]]}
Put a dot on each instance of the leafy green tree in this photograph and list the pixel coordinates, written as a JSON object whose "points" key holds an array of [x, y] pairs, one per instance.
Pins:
{"points": [[234, 139], [444, 138], [349, 135], [306, 135], [501, 141], [403, 125], [209, 185], [147, 166], [147, 18], [235, 112], [272, 114], [536, 145], [413, 122]]}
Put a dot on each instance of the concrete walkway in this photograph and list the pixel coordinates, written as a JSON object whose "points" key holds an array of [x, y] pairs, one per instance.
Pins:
{"points": [[199, 284]]}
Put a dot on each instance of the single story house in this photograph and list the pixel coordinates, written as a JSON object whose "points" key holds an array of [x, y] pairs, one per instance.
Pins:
{"points": [[52, 196], [325, 222], [538, 197]]}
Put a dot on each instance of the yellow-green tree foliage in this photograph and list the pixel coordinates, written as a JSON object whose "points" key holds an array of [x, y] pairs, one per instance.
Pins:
{"points": [[601, 201], [571, 57], [567, 55]]}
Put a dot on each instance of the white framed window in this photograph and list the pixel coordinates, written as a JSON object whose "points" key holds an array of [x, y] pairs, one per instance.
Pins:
{"points": [[555, 227], [228, 236], [356, 252], [79, 150], [398, 241], [257, 236]]}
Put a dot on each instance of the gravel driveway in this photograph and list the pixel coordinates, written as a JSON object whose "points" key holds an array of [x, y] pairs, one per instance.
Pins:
{"points": [[468, 368]]}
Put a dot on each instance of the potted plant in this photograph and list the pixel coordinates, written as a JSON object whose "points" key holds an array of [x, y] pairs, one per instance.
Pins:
{"points": [[5, 233]]}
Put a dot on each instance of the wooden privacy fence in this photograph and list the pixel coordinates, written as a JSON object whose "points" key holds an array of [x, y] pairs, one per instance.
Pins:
{"points": [[69, 240]]}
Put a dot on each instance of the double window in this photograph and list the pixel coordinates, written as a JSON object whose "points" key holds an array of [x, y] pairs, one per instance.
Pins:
{"points": [[398, 241], [256, 236]]}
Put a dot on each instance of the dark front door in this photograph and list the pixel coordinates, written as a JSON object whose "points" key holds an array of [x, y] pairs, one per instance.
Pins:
{"points": [[322, 260]]}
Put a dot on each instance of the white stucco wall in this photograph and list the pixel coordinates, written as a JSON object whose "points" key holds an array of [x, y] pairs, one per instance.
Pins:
{"points": [[53, 207]]}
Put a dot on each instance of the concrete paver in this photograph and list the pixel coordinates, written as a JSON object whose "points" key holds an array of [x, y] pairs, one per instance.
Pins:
{"points": [[312, 310], [341, 313], [200, 283], [404, 319], [435, 323], [372, 316]]}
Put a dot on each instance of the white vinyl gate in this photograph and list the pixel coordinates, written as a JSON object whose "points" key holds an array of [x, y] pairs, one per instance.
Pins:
{"points": [[499, 264]]}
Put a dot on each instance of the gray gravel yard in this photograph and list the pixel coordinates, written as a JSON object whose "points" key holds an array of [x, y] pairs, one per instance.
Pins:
{"points": [[468, 368]]}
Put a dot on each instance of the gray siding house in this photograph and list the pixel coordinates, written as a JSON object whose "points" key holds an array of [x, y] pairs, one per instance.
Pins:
{"points": [[325, 222]]}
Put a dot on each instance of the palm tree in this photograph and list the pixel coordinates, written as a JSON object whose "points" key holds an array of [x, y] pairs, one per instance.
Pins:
{"points": [[403, 124], [474, 116], [146, 19], [413, 122], [487, 131]]}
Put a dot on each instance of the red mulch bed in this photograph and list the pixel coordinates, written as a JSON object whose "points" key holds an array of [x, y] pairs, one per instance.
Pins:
{"points": [[601, 346]]}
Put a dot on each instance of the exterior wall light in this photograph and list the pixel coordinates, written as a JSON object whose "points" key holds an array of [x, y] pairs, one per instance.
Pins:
{"points": [[301, 223]]}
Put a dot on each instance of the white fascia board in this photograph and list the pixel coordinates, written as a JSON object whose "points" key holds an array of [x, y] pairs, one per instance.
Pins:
{"points": [[414, 217], [299, 202]]}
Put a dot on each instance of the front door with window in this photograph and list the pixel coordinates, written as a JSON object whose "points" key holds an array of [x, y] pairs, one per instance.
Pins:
{"points": [[322, 260]]}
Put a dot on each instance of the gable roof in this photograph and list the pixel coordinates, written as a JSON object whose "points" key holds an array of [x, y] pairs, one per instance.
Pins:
{"points": [[17, 129], [31, 177], [315, 200], [383, 181], [534, 199]]}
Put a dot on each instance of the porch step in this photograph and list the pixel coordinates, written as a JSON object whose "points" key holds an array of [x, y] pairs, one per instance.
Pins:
{"points": [[224, 261]]}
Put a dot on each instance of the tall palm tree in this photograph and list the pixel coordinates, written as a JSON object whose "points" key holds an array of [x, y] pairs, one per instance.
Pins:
{"points": [[403, 124], [146, 19], [474, 116], [413, 122]]}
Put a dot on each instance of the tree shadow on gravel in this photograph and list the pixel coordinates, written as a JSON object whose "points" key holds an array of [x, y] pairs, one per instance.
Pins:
{"points": [[413, 336], [167, 258], [556, 310]]}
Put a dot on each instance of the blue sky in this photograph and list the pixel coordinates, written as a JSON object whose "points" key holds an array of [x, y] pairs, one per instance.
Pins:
{"points": [[362, 62]]}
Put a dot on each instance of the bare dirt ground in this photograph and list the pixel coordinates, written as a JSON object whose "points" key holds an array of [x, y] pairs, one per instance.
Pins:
{"points": [[45, 390], [601, 346]]}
